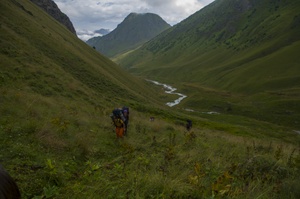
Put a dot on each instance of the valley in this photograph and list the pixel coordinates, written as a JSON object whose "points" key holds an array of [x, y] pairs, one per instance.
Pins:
{"points": [[240, 91]]}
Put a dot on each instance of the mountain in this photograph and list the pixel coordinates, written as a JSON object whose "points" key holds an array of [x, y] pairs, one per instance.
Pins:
{"points": [[226, 43], [52, 9], [135, 30], [102, 31]]}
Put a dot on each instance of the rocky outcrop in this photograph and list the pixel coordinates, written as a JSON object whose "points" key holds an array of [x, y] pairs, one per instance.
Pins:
{"points": [[52, 9]]}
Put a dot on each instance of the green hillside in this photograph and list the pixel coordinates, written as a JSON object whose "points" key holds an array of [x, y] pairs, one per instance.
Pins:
{"points": [[45, 60], [221, 43], [135, 30], [241, 47], [57, 140]]}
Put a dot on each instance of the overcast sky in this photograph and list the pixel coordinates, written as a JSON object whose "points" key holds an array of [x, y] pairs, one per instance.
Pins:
{"points": [[90, 15]]}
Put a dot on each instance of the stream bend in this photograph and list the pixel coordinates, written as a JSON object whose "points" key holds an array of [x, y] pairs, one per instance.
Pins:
{"points": [[170, 90]]}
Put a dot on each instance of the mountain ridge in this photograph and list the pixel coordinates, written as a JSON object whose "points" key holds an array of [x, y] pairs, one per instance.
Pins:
{"points": [[53, 10]]}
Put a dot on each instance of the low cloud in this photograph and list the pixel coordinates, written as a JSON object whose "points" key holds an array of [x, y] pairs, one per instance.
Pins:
{"points": [[87, 34]]}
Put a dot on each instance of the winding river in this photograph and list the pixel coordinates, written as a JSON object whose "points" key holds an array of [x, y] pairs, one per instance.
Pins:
{"points": [[170, 90]]}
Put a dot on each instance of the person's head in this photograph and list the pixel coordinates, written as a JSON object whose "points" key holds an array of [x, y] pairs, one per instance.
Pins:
{"points": [[125, 112], [8, 187]]}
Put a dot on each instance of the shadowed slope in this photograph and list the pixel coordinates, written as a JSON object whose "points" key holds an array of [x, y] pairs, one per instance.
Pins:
{"points": [[135, 30]]}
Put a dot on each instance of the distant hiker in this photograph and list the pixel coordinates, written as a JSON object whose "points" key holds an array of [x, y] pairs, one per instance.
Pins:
{"points": [[188, 125], [118, 120], [8, 187], [151, 119], [125, 111]]}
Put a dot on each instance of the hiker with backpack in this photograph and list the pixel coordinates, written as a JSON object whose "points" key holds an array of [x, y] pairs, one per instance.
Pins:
{"points": [[120, 120]]}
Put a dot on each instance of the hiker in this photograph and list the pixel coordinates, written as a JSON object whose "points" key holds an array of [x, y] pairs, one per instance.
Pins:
{"points": [[118, 120], [151, 119], [125, 111], [189, 125], [8, 187]]}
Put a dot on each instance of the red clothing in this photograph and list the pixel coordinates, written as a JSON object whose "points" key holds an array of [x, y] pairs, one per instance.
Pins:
{"points": [[120, 132], [120, 128]]}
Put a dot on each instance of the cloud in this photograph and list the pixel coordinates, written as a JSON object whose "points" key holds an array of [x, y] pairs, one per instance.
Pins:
{"points": [[90, 15], [174, 11], [87, 34]]}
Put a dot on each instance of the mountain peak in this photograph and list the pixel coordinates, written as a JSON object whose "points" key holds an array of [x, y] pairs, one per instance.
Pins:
{"points": [[133, 31], [143, 18]]}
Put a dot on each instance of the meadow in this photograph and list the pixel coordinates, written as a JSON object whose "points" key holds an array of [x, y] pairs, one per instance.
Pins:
{"points": [[70, 150]]}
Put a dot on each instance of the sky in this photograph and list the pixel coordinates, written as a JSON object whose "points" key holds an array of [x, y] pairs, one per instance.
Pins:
{"points": [[90, 15]]}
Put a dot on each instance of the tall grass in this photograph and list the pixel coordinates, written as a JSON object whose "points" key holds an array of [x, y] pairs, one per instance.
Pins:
{"points": [[69, 151], [161, 160]]}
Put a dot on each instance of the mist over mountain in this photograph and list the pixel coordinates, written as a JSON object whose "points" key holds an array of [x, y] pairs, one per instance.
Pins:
{"points": [[135, 30], [87, 34], [52, 9]]}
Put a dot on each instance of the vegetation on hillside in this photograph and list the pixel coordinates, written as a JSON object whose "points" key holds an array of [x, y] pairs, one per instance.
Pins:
{"points": [[247, 49], [61, 158], [57, 140], [224, 41]]}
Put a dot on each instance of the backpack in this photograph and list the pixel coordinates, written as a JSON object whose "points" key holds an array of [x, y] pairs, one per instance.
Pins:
{"points": [[118, 117]]}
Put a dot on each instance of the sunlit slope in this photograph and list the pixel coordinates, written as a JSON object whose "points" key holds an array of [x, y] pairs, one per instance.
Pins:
{"points": [[245, 46], [39, 56]]}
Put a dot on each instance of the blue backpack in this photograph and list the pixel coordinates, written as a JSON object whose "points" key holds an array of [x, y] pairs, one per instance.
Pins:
{"points": [[116, 116]]}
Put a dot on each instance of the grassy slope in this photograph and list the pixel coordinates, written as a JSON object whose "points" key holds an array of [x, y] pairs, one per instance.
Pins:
{"points": [[57, 141], [240, 49], [54, 61], [215, 46]]}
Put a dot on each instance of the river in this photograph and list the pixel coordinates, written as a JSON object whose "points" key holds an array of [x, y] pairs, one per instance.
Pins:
{"points": [[170, 90]]}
